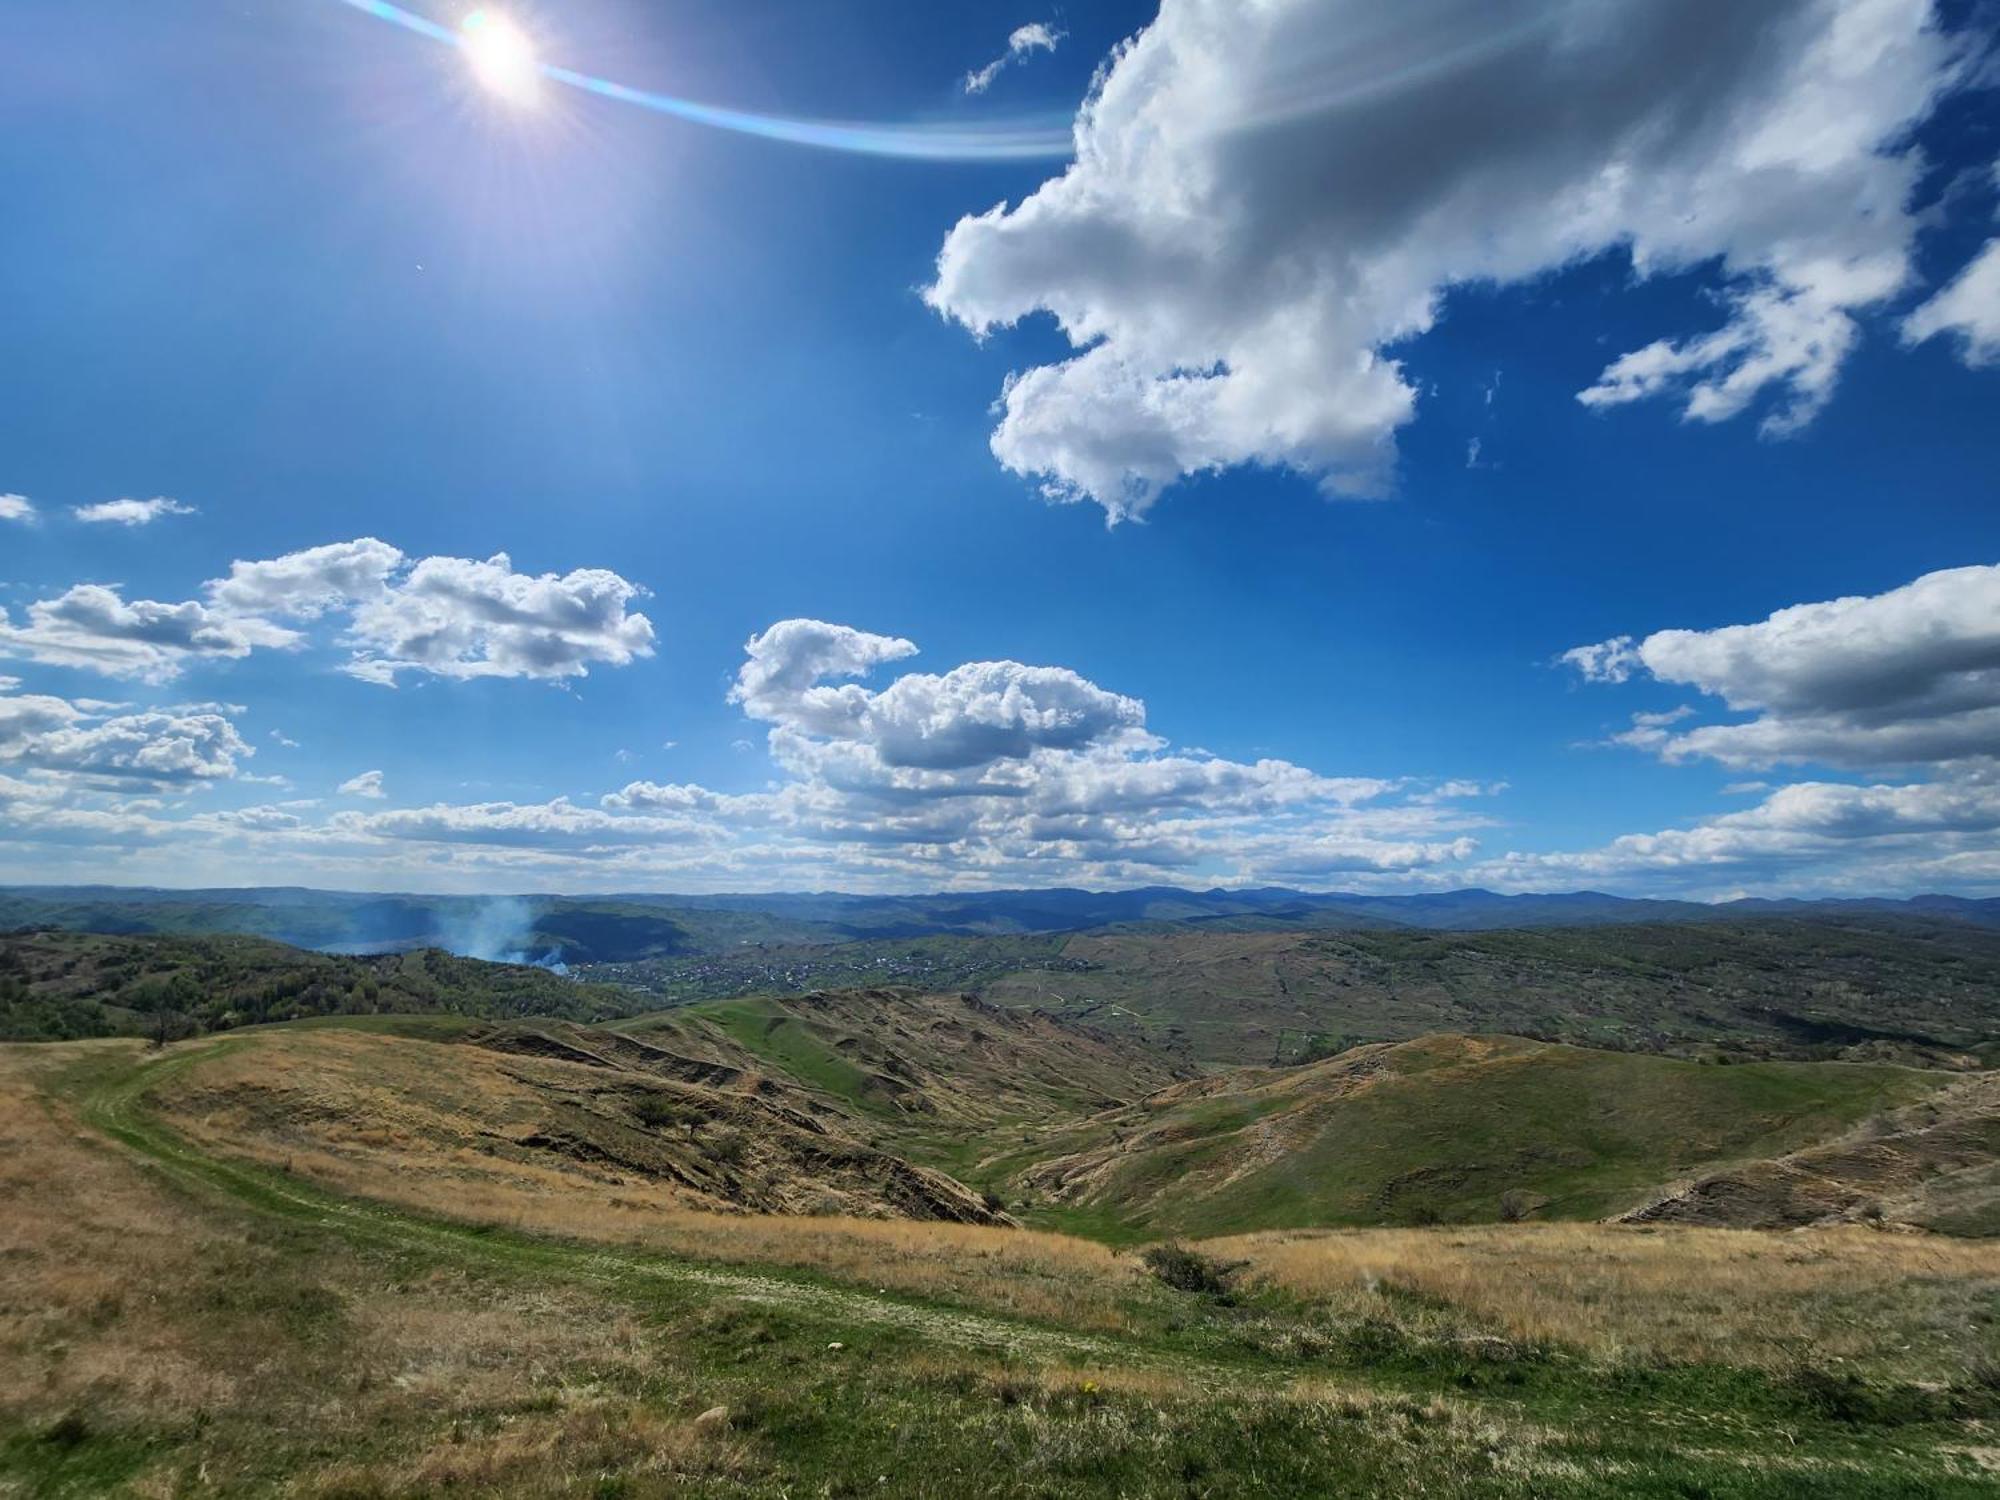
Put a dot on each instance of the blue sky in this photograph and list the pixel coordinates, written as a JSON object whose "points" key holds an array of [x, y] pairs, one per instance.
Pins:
{"points": [[1302, 341]]}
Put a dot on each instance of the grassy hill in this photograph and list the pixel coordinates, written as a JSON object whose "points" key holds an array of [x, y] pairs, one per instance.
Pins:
{"points": [[1447, 1128], [321, 1260], [66, 984], [567, 1120]]}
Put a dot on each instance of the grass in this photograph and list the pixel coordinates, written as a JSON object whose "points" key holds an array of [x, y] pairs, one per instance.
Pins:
{"points": [[1442, 1130], [173, 1318], [1902, 1306], [766, 1030]]}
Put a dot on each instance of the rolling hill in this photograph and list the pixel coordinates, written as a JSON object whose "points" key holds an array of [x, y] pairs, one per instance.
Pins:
{"points": [[1443, 1129], [1788, 987]]}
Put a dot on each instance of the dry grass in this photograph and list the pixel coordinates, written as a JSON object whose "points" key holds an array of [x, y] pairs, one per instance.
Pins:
{"points": [[128, 1303], [1897, 1303], [86, 1245], [401, 1121], [554, 1454]]}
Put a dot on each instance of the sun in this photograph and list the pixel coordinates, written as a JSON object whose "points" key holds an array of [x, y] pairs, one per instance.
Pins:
{"points": [[501, 55]]}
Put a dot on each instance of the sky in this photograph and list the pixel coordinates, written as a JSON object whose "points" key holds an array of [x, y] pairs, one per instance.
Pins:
{"points": [[604, 445]]}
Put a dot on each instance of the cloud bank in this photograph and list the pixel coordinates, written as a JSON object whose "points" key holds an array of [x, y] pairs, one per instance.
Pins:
{"points": [[1902, 687]]}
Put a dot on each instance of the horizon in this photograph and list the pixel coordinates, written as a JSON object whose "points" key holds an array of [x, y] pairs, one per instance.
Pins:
{"points": [[861, 450], [942, 893]]}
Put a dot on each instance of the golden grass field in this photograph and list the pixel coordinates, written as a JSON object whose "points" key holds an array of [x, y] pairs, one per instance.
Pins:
{"points": [[1893, 1302]]}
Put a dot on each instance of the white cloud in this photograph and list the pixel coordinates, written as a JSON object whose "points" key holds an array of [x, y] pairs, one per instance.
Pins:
{"points": [[445, 616], [1968, 308], [457, 618], [1036, 36], [93, 627], [780, 677], [130, 512], [18, 508], [309, 583], [1907, 680], [1906, 677], [990, 773], [1233, 254], [69, 747], [1806, 838], [557, 825], [367, 784], [971, 716]]}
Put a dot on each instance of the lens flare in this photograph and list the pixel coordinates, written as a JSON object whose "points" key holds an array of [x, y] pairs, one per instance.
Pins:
{"points": [[1026, 139], [501, 56]]}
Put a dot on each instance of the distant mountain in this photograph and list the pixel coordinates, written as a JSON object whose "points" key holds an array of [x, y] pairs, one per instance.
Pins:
{"points": [[641, 925]]}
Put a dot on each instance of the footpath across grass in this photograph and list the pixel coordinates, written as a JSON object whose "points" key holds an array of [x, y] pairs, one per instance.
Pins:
{"points": [[177, 1322]]}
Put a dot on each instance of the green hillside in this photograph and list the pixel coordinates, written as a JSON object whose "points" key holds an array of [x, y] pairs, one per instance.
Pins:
{"points": [[1447, 1128]]}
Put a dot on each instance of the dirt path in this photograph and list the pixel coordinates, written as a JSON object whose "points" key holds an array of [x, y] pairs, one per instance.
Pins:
{"points": [[114, 1105]]}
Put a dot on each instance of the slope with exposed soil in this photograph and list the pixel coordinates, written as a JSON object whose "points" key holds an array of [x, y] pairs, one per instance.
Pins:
{"points": [[1934, 1164], [565, 1113], [905, 1057]]}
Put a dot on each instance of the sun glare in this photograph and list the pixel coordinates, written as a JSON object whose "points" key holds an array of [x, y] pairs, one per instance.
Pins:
{"points": [[501, 55]]}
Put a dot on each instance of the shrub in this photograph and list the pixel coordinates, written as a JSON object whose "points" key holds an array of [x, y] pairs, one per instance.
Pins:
{"points": [[1188, 1270], [727, 1145], [658, 1111]]}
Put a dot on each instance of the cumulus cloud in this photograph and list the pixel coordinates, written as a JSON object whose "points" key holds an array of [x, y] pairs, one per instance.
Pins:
{"points": [[309, 583], [69, 745], [1234, 256], [989, 773], [18, 508], [556, 825], [453, 617], [1808, 838], [442, 616], [1969, 309], [1906, 677], [130, 512], [367, 784], [972, 715], [1036, 36], [92, 626], [1905, 682]]}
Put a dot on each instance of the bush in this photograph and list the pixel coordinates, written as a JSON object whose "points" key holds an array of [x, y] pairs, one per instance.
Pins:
{"points": [[727, 1145], [659, 1111], [1188, 1270]]}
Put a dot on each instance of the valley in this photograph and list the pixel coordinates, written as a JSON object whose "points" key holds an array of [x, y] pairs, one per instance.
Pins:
{"points": [[1735, 1223]]}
